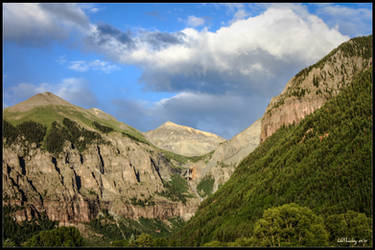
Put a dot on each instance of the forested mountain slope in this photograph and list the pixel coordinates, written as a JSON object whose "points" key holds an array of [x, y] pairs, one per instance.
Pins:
{"points": [[324, 164]]}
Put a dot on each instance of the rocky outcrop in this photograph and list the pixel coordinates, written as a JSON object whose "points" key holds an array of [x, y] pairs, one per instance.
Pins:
{"points": [[226, 157], [183, 140], [231, 152], [123, 176], [313, 86], [293, 110]]}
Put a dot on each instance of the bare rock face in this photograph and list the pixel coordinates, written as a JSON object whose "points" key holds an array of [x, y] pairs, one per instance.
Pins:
{"points": [[122, 177], [226, 157], [231, 152], [183, 140], [313, 86]]}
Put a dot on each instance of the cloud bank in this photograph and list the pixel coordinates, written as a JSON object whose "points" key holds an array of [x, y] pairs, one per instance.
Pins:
{"points": [[38, 24], [253, 55], [221, 80]]}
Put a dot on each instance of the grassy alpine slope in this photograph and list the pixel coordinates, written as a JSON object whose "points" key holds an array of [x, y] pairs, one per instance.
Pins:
{"points": [[38, 110], [324, 164], [47, 114]]}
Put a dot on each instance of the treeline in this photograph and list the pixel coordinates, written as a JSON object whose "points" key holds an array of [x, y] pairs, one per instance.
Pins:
{"points": [[70, 131], [324, 164], [31, 131], [55, 137]]}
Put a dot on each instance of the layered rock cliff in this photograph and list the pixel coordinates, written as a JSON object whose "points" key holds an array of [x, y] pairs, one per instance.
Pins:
{"points": [[313, 86], [183, 140], [120, 173], [75, 186]]}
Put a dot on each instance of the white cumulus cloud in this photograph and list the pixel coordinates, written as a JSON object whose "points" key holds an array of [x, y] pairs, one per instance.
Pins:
{"points": [[219, 75], [258, 54]]}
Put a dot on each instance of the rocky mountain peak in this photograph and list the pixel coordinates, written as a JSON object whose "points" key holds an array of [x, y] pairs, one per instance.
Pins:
{"points": [[169, 123], [183, 139], [174, 126]]}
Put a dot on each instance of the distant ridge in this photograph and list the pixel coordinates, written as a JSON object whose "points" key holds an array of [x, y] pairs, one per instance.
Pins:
{"points": [[193, 130], [183, 139]]}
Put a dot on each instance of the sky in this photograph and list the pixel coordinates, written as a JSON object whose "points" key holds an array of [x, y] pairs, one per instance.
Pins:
{"points": [[210, 66]]}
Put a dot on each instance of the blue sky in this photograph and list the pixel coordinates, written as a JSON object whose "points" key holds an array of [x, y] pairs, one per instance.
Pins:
{"points": [[213, 67]]}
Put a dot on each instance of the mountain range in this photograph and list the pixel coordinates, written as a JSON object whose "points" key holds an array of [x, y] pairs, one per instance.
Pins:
{"points": [[83, 167]]}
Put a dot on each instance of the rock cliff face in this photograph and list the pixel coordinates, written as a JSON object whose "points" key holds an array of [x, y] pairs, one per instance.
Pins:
{"points": [[226, 157], [122, 175], [183, 140], [74, 186], [231, 152], [313, 86]]}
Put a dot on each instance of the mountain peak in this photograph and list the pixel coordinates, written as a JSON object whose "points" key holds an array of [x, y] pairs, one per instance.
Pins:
{"points": [[47, 93], [169, 123], [183, 139], [41, 99]]}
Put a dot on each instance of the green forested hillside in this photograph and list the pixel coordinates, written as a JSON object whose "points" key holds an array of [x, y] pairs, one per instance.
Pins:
{"points": [[324, 164]]}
